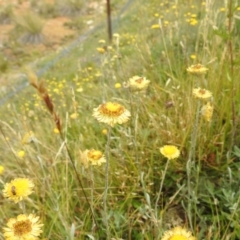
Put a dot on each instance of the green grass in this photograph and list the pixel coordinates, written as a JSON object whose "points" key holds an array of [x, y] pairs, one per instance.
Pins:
{"points": [[200, 189], [6, 14]]}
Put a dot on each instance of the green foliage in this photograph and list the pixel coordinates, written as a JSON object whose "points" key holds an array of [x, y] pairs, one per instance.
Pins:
{"points": [[47, 10], [31, 25], [198, 191], [6, 14], [71, 8], [4, 64], [76, 23]]}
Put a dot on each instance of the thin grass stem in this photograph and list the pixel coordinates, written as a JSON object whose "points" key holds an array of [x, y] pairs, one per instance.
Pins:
{"points": [[230, 47], [105, 196], [160, 188], [191, 163]]}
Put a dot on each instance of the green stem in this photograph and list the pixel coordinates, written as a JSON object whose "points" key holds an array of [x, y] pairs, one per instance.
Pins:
{"points": [[106, 183], [158, 197], [230, 47], [191, 163], [194, 133], [135, 136], [160, 188], [92, 187], [22, 206]]}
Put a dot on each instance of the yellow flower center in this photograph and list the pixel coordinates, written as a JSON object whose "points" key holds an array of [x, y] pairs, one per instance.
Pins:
{"points": [[94, 155], [139, 81], [22, 227], [178, 237], [198, 66], [1, 169], [21, 187], [202, 91], [170, 150], [111, 109]]}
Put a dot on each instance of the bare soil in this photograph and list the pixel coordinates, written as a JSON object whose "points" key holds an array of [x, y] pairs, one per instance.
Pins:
{"points": [[54, 31]]}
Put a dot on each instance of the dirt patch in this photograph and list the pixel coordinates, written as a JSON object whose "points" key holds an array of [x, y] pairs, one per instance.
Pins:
{"points": [[4, 32], [55, 32]]}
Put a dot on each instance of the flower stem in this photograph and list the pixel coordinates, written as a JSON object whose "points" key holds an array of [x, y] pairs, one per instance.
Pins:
{"points": [[106, 183], [135, 135], [92, 187], [160, 188], [231, 65], [194, 133], [22, 206], [191, 163]]}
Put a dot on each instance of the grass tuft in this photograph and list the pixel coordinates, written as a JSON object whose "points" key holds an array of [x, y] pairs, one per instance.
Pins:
{"points": [[137, 139]]}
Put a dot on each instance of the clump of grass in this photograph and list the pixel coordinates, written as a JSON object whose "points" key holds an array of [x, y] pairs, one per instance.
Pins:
{"points": [[6, 14], [71, 8], [4, 64], [47, 10], [32, 26], [171, 171], [76, 23]]}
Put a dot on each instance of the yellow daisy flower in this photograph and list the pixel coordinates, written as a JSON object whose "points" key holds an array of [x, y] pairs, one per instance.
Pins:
{"points": [[101, 50], [197, 69], [111, 113], [178, 233], [193, 56], [104, 131], [18, 189], [55, 130], [118, 85], [201, 93], [193, 22], [93, 157], [155, 26], [1, 169], [21, 154], [207, 111], [24, 227], [74, 116], [170, 152], [137, 83]]}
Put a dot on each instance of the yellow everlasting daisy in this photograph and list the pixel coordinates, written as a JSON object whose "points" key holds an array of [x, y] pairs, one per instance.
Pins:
{"points": [[1, 169], [18, 189], [104, 131], [193, 56], [101, 50], [118, 85], [154, 26], [197, 69], [74, 115], [178, 233], [24, 227], [201, 93], [137, 83], [111, 113], [170, 152], [93, 157], [21, 154], [207, 111], [55, 130]]}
